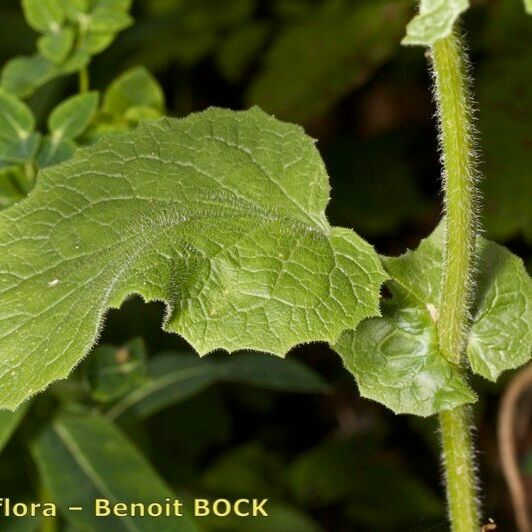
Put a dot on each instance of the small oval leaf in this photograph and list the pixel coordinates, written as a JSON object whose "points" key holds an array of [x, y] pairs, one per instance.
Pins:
{"points": [[56, 46], [72, 116], [44, 15]]}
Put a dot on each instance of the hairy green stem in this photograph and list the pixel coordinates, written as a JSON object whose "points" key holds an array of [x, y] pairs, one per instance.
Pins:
{"points": [[460, 479], [451, 90], [460, 193]]}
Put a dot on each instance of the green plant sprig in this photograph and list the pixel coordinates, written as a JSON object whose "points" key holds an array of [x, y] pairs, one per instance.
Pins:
{"points": [[221, 215]]}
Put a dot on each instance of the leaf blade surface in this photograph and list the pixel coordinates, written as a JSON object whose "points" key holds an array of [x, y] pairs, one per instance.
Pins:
{"points": [[220, 215]]}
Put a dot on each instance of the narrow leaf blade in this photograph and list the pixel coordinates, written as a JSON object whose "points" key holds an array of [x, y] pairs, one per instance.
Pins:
{"points": [[272, 373], [173, 379], [83, 458]]}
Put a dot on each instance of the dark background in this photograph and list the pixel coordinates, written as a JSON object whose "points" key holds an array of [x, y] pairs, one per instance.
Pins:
{"points": [[337, 460]]}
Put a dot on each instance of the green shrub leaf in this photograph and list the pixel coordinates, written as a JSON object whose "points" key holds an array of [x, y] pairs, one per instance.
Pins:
{"points": [[18, 141], [75, 8], [355, 473], [82, 458], [106, 20], [220, 214], [396, 359], [528, 6], [134, 88], [24, 75], [16, 119], [272, 373], [95, 43], [72, 116], [435, 21], [44, 15], [240, 48], [56, 46]]}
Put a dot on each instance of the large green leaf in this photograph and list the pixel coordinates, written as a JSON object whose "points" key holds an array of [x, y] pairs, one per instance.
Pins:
{"points": [[435, 21], [322, 58], [174, 378], [396, 358], [528, 6], [84, 458], [220, 214]]}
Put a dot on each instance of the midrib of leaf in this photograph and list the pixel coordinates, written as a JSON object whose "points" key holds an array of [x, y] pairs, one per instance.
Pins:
{"points": [[159, 383], [89, 471]]}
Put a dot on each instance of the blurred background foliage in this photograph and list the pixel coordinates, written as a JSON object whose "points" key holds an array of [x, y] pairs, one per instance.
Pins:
{"points": [[325, 458]]}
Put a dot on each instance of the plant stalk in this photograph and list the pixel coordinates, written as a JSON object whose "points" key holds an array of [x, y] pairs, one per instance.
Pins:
{"points": [[452, 97], [84, 84]]}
